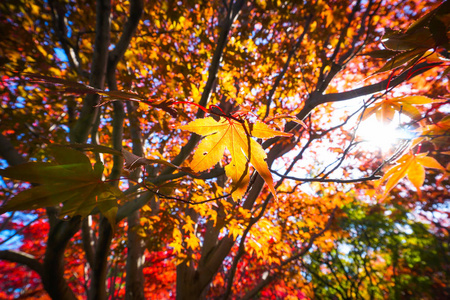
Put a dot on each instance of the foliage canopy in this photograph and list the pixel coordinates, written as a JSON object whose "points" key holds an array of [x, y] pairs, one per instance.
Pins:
{"points": [[210, 149]]}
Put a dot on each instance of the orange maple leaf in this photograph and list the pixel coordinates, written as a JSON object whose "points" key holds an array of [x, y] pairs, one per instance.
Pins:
{"points": [[236, 137], [412, 166], [438, 132], [385, 110]]}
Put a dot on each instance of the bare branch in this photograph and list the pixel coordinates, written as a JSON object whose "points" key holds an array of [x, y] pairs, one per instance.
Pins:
{"points": [[22, 258], [53, 274], [134, 283], [88, 238], [362, 179], [323, 83], [18, 231], [99, 270], [317, 98], [212, 74], [377, 87]]}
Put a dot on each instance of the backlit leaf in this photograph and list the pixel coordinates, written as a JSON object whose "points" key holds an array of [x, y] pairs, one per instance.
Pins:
{"points": [[236, 137], [412, 166], [386, 108], [401, 59], [74, 183]]}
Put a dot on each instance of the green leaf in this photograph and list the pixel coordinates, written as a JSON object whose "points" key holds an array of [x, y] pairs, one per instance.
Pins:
{"points": [[65, 155], [401, 59], [107, 204], [398, 41], [384, 53], [44, 172], [72, 183]]}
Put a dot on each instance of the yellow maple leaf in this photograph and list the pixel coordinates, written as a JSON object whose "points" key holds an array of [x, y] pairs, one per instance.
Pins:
{"points": [[192, 241], [412, 166], [385, 109], [236, 137], [176, 244], [235, 229]]}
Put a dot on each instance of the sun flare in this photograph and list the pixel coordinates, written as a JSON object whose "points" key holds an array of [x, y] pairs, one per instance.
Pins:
{"points": [[381, 135]]}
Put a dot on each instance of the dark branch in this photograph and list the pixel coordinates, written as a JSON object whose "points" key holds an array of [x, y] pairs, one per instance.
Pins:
{"points": [[136, 9], [186, 150], [89, 111], [377, 87], [58, 11], [362, 179], [316, 98], [9, 153], [241, 249], [23, 259]]}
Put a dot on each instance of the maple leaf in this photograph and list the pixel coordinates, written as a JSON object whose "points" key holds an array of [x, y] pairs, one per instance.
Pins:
{"points": [[412, 166], [385, 109], [71, 181], [192, 241], [438, 132], [411, 57], [236, 137], [176, 244]]}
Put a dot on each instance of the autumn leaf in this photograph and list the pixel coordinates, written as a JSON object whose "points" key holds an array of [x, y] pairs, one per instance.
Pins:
{"points": [[70, 180], [403, 41], [385, 109], [192, 241], [439, 132], [277, 120], [412, 166], [411, 57], [236, 138], [176, 244]]}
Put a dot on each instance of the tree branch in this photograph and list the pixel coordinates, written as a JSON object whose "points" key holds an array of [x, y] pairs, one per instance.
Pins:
{"points": [[58, 11], [24, 259], [232, 14], [187, 149], [53, 273], [9, 153], [134, 283], [97, 290], [97, 79], [323, 83], [241, 249], [136, 9], [362, 179], [114, 56], [318, 99], [212, 75], [88, 237]]}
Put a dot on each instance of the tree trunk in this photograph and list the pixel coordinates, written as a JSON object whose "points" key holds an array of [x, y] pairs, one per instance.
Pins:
{"points": [[135, 261], [53, 273]]}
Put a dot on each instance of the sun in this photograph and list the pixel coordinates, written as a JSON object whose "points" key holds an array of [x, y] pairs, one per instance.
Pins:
{"points": [[380, 135]]}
